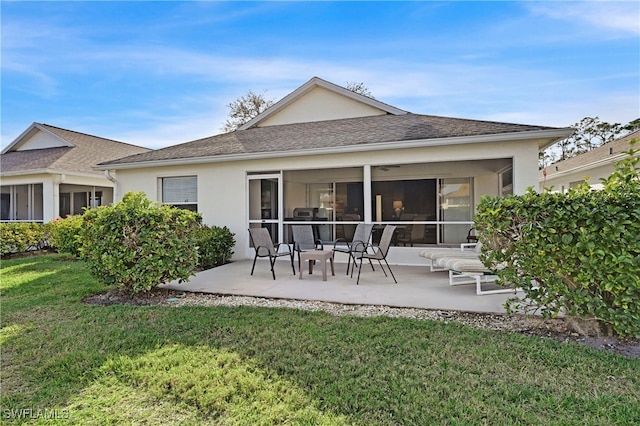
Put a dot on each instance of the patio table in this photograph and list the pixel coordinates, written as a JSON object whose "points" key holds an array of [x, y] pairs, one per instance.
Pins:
{"points": [[319, 255]]}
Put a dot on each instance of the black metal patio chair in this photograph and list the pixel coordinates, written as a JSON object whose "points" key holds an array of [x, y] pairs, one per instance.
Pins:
{"points": [[261, 241]]}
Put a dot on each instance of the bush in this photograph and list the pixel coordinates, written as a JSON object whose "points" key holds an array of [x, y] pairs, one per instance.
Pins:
{"points": [[64, 234], [136, 244], [19, 237], [577, 253], [215, 246]]}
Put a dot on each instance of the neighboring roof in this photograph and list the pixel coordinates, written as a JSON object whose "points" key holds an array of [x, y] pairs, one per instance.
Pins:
{"points": [[310, 85], [363, 133], [605, 154], [79, 154]]}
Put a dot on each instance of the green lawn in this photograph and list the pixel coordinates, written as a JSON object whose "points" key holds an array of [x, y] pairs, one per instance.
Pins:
{"points": [[64, 362]]}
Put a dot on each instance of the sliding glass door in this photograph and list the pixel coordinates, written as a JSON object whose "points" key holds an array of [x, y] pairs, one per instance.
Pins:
{"points": [[265, 204]]}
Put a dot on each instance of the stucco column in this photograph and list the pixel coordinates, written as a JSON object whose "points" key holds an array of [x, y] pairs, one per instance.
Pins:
{"points": [[525, 169], [50, 198], [366, 183]]}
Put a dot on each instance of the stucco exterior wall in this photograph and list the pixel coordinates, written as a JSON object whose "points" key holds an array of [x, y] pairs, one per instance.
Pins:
{"points": [[563, 182], [222, 187]]}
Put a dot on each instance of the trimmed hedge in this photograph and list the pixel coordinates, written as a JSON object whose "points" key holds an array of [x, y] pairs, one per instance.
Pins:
{"points": [[576, 253], [215, 246], [64, 234], [20, 237]]}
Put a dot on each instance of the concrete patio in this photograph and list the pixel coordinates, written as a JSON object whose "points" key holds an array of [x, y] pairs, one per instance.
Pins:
{"points": [[417, 287]]}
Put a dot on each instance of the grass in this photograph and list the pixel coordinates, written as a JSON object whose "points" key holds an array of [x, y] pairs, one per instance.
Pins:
{"points": [[65, 362]]}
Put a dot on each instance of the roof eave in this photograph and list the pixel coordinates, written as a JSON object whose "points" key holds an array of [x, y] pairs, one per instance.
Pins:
{"points": [[48, 172], [552, 134]]}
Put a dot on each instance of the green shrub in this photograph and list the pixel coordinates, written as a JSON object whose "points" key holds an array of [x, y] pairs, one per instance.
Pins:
{"points": [[19, 237], [576, 253], [215, 246], [64, 234], [136, 244]]}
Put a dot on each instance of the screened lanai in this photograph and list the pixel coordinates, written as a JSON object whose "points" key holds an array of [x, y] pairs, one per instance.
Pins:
{"points": [[430, 203]]}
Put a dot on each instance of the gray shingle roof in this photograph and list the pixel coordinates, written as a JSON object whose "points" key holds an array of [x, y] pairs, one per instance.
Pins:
{"points": [[87, 151], [329, 134]]}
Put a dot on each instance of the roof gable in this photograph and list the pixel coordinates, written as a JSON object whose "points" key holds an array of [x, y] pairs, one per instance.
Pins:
{"points": [[320, 100], [36, 137], [44, 148]]}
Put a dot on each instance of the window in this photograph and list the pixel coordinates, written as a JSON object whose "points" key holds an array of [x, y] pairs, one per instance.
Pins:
{"points": [[180, 192]]}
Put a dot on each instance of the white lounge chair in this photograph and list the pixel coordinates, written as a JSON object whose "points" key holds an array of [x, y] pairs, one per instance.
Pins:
{"points": [[465, 267]]}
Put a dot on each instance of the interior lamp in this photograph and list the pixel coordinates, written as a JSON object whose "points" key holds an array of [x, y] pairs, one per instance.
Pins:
{"points": [[397, 207]]}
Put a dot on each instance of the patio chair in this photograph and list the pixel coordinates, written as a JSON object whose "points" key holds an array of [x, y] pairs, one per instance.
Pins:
{"points": [[261, 240], [304, 240], [360, 241], [414, 233], [380, 254], [472, 237]]}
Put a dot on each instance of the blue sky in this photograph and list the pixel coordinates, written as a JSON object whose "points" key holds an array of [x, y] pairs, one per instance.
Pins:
{"points": [[160, 73]]}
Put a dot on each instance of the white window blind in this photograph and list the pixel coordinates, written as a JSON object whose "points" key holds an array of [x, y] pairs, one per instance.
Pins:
{"points": [[178, 190]]}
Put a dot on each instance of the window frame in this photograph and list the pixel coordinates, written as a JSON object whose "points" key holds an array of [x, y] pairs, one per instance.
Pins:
{"points": [[191, 200]]}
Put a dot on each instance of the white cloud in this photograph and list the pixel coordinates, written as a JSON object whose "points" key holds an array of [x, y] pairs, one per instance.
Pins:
{"points": [[623, 16]]}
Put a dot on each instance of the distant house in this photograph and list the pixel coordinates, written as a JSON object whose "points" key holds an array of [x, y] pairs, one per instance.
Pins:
{"points": [[590, 166], [334, 158], [48, 172]]}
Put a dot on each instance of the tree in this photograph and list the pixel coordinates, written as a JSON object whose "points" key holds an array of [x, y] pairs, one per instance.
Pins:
{"points": [[359, 88], [244, 109], [590, 133]]}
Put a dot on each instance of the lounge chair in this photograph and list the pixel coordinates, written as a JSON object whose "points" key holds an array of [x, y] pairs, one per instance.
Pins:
{"points": [[379, 253], [261, 241], [465, 267], [434, 255], [471, 271]]}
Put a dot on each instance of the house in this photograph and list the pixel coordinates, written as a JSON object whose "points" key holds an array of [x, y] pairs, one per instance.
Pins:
{"points": [[331, 157], [590, 166], [48, 172]]}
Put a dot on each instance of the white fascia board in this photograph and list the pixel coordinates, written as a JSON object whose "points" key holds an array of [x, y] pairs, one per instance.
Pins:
{"points": [[49, 172], [381, 146], [25, 173]]}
